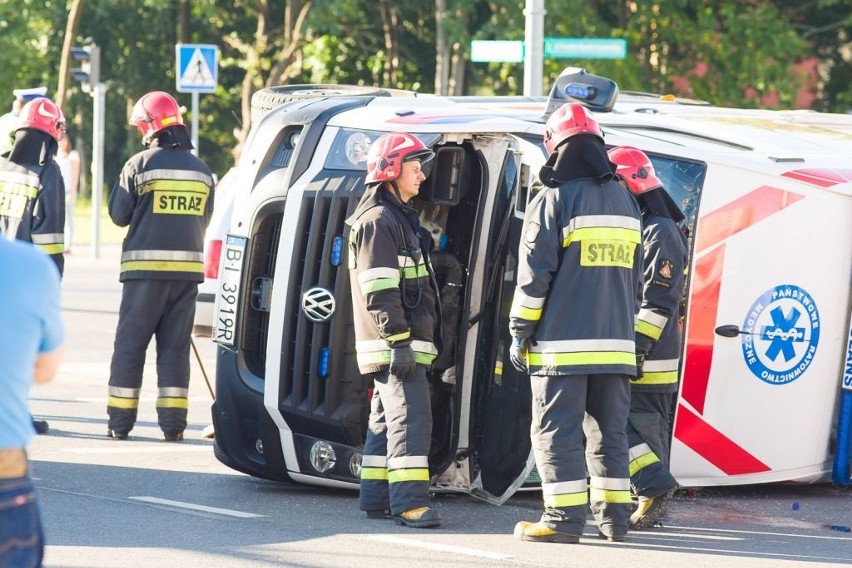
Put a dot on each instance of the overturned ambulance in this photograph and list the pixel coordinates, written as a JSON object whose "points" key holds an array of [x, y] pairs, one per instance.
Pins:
{"points": [[766, 372]]}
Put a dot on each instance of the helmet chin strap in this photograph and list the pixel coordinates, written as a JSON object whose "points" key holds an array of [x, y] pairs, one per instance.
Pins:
{"points": [[396, 191]]}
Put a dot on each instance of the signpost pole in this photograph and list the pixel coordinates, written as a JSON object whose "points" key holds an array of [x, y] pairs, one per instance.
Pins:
{"points": [[195, 122], [533, 47]]}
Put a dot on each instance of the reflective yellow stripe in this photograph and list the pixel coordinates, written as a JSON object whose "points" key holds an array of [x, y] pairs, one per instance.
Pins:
{"points": [[117, 402], [52, 249], [529, 314], [163, 266], [408, 475], [379, 285], [603, 234], [170, 402], [610, 495], [648, 329], [582, 358], [377, 473], [398, 336], [412, 272], [661, 378], [176, 185], [643, 461], [566, 500]]}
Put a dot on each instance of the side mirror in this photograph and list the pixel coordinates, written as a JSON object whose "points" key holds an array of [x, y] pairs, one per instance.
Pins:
{"points": [[443, 186]]}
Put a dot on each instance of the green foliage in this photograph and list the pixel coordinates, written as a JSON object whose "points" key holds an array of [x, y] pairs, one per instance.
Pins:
{"points": [[729, 52]]}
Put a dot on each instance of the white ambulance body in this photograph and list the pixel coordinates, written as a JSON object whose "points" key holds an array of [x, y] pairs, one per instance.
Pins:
{"points": [[767, 340]]}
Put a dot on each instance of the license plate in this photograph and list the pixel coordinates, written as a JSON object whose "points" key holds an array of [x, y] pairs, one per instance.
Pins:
{"points": [[228, 295]]}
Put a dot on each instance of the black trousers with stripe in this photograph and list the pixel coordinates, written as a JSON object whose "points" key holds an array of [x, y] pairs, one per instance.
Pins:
{"points": [[164, 309]]}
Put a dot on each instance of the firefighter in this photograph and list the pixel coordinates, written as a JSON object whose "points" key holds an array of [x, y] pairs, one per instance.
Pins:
{"points": [[572, 324], [396, 314], [32, 193], [165, 195], [657, 336]]}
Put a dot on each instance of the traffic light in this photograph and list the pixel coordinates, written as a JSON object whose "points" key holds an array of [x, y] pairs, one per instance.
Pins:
{"points": [[89, 71]]}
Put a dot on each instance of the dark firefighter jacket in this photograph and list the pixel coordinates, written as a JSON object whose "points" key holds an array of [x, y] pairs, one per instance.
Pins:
{"points": [[394, 294], [166, 196], [657, 327], [579, 276], [32, 195]]}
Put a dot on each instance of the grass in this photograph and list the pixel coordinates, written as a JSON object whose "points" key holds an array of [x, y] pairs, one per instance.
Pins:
{"points": [[108, 232]]}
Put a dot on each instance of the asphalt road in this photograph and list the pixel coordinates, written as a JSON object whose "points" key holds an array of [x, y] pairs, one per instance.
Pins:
{"points": [[145, 502]]}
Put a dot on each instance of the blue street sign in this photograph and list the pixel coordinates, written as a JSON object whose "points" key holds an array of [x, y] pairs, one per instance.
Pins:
{"points": [[197, 68]]}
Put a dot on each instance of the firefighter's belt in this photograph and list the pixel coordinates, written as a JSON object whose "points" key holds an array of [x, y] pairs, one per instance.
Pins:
{"points": [[13, 463]]}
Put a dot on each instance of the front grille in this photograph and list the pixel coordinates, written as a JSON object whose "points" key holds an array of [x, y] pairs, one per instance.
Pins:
{"points": [[330, 408], [261, 264]]}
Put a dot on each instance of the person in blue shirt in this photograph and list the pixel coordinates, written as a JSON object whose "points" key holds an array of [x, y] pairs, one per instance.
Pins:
{"points": [[31, 334]]}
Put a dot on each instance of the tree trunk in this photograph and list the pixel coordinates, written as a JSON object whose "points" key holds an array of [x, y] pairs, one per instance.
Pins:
{"points": [[184, 31], [65, 60]]}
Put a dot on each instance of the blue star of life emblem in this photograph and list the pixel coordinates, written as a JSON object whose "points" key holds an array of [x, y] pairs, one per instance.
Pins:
{"points": [[781, 334]]}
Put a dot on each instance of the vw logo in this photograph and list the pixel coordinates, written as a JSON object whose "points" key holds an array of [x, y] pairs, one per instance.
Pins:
{"points": [[318, 304]]}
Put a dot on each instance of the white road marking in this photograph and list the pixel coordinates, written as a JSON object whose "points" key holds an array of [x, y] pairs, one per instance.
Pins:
{"points": [[441, 547], [142, 399], [765, 533], [140, 448], [194, 507], [649, 534]]}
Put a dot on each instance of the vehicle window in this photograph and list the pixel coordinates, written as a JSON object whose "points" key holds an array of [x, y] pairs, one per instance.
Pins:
{"points": [[683, 180]]}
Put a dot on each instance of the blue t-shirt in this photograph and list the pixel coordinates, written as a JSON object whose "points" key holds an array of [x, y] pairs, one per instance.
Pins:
{"points": [[30, 324]]}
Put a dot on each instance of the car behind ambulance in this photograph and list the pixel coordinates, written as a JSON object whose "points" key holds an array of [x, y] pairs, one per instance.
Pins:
{"points": [[768, 203]]}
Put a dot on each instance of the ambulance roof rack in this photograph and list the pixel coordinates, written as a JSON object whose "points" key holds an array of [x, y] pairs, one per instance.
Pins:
{"points": [[575, 85]]}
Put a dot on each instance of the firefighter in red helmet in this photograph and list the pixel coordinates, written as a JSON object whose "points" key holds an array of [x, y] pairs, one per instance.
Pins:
{"points": [[165, 195], [395, 308], [32, 193], [657, 336], [572, 324]]}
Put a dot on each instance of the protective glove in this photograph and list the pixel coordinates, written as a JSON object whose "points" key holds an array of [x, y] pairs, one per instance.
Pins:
{"points": [[640, 362], [402, 363], [518, 354]]}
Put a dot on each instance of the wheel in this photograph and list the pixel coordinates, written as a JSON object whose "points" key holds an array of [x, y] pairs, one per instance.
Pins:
{"points": [[267, 99]]}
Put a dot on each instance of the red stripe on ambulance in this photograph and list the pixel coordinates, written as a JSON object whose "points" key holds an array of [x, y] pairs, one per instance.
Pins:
{"points": [[713, 229]]}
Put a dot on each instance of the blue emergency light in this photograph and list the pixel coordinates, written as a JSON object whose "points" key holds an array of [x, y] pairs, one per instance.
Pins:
{"points": [[336, 250], [580, 92], [324, 362]]}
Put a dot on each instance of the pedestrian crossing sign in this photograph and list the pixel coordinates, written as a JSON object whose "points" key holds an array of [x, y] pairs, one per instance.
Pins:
{"points": [[197, 67]]}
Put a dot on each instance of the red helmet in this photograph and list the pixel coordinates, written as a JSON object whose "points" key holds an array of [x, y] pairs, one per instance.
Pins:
{"points": [[155, 111], [42, 114], [569, 120], [635, 168], [389, 151]]}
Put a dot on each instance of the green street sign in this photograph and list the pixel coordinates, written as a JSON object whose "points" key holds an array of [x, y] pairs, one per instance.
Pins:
{"points": [[498, 51], [585, 48]]}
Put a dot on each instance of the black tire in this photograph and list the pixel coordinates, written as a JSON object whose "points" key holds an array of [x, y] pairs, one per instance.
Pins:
{"points": [[267, 99]]}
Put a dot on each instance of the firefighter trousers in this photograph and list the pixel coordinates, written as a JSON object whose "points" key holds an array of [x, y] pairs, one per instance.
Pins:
{"points": [[565, 409], [164, 309], [649, 434], [395, 466]]}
